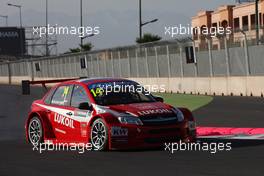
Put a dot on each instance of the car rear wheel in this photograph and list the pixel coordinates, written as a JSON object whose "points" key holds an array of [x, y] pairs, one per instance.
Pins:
{"points": [[35, 131], [99, 135]]}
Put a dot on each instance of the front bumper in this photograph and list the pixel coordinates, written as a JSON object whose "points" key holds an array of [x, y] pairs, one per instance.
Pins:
{"points": [[135, 137]]}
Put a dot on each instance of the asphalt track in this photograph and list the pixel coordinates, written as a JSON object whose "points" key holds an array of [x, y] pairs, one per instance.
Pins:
{"points": [[245, 159]]}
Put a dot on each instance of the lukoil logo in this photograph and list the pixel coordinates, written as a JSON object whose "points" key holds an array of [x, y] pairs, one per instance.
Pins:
{"points": [[63, 120]]}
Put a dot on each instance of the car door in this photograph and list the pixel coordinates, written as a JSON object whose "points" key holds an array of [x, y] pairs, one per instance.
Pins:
{"points": [[83, 116], [61, 113]]}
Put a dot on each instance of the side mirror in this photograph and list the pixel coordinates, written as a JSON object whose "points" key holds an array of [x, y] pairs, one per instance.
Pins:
{"points": [[160, 99], [85, 106]]}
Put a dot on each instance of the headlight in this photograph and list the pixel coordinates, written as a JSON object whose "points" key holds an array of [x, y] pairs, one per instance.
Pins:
{"points": [[124, 118], [179, 114], [130, 120]]}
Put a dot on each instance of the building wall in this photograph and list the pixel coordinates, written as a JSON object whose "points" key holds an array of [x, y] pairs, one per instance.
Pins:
{"points": [[229, 13], [202, 19], [224, 14], [243, 11]]}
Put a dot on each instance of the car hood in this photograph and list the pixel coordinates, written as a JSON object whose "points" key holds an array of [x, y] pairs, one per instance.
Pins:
{"points": [[143, 109]]}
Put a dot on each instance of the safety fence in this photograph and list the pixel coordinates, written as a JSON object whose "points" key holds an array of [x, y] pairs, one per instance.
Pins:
{"points": [[167, 59]]}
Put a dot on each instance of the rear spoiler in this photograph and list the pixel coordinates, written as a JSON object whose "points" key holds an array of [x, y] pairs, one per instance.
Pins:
{"points": [[26, 84]]}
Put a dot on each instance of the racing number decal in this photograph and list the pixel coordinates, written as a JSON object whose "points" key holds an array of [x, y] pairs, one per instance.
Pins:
{"points": [[97, 92], [65, 92]]}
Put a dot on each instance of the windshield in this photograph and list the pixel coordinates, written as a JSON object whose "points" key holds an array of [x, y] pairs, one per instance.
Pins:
{"points": [[114, 93]]}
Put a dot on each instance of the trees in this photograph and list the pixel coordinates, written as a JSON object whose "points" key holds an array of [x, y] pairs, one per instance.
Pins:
{"points": [[84, 47], [74, 50], [148, 38]]}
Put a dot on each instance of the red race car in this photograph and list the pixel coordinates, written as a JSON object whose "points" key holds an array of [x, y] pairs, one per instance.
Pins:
{"points": [[107, 113]]}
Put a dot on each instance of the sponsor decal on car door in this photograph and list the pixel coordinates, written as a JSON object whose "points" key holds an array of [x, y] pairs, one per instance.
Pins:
{"points": [[62, 114]]}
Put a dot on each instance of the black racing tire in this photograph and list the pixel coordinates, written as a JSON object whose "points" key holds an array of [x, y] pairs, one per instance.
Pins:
{"points": [[35, 131], [99, 135]]}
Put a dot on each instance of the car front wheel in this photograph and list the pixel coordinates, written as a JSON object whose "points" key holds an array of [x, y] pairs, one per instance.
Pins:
{"points": [[99, 136]]}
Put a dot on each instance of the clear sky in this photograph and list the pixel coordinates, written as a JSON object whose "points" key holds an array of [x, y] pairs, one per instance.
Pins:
{"points": [[118, 19]]}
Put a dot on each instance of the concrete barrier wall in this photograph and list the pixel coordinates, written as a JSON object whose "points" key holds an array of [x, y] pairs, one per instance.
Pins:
{"points": [[4, 80], [220, 72], [237, 86]]}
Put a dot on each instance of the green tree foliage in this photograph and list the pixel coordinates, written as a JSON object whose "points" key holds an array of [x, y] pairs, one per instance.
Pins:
{"points": [[148, 38], [74, 50], [84, 47]]}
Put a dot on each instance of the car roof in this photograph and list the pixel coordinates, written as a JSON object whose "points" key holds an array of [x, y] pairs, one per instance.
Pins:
{"points": [[89, 81]]}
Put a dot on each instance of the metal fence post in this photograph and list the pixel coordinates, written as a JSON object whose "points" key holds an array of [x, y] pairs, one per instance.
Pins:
{"points": [[30, 70], [62, 67], [119, 64], [137, 63], [98, 66], [9, 73], [54, 68], [129, 69], [157, 63], [57, 63], [227, 56], [168, 58], [195, 59], [87, 67], [210, 56], [181, 62], [248, 72], [92, 64], [105, 69], [147, 66], [112, 61]]}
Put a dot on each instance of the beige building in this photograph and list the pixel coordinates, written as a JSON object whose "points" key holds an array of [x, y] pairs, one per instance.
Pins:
{"points": [[203, 19], [238, 17], [245, 19]]}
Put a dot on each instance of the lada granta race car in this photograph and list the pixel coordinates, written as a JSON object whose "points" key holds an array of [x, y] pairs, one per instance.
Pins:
{"points": [[107, 113]]}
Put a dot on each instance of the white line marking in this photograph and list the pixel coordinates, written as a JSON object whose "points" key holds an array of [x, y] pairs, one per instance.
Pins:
{"points": [[237, 136]]}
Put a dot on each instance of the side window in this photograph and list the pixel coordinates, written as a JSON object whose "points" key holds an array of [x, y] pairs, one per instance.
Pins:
{"points": [[62, 96], [49, 96], [79, 96]]}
